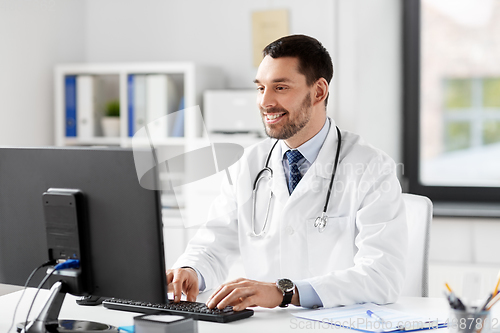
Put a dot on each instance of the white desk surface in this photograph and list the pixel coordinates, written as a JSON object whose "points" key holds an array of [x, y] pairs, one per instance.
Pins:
{"points": [[263, 320]]}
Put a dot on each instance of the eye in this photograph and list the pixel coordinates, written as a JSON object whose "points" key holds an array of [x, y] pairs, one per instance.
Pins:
{"points": [[280, 88], [261, 89]]}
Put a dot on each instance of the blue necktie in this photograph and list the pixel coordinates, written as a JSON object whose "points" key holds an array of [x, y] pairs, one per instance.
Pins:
{"points": [[293, 156]]}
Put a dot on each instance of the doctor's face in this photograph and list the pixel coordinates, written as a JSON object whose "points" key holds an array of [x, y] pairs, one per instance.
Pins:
{"points": [[284, 98]]}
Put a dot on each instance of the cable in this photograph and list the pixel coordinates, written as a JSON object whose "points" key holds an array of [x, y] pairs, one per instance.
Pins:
{"points": [[36, 294], [70, 263], [48, 263]]}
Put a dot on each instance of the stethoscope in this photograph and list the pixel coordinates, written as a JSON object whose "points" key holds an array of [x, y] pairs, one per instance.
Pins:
{"points": [[267, 173]]}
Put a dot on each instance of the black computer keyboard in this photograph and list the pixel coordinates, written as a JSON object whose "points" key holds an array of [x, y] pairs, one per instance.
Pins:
{"points": [[195, 310]]}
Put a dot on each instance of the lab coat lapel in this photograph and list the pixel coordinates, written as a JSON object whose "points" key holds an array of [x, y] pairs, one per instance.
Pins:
{"points": [[317, 178], [279, 186], [324, 164]]}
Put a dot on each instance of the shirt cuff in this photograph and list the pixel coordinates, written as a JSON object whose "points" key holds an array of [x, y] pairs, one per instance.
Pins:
{"points": [[307, 295], [201, 280]]}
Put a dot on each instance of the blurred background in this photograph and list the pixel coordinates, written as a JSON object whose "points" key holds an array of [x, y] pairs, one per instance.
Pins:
{"points": [[459, 91]]}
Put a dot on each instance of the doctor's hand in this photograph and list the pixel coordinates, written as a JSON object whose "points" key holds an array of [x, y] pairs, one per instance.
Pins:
{"points": [[183, 280], [242, 293]]}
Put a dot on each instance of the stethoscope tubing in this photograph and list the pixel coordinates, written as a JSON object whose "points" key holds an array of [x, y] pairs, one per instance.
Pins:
{"points": [[323, 219], [337, 155]]}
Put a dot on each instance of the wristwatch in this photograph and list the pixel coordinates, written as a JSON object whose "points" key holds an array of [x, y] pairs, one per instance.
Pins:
{"points": [[287, 287]]}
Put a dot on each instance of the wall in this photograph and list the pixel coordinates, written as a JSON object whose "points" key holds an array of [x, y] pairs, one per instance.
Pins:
{"points": [[366, 84], [211, 32], [368, 78], [34, 36]]}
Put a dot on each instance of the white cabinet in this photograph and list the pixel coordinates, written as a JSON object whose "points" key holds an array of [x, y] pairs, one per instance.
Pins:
{"points": [[108, 82]]}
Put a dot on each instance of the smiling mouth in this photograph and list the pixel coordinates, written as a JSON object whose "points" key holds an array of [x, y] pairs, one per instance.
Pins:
{"points": [[273, 117]]}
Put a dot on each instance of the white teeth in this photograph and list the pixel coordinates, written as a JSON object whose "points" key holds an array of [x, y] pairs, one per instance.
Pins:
{"points": [[273, 116]]}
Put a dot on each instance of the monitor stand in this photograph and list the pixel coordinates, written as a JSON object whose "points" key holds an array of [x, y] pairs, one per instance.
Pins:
{"points": [[47, 321]]}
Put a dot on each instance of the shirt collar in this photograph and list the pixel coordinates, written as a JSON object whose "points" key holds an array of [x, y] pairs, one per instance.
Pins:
{"points": [[310, 149]]}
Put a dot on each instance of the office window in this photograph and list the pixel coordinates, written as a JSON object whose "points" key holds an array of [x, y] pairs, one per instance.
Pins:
{"points": [[452, 99], [471, 113]]}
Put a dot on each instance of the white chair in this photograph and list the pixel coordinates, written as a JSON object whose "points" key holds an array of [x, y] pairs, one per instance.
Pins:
{"points": [[419, 217]]}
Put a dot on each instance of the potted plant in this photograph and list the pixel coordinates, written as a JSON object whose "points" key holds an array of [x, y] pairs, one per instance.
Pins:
{"points": [[111, 120]]}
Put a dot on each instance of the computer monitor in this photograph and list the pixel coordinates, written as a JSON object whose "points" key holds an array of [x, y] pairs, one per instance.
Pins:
{"points": [[125, 234]]}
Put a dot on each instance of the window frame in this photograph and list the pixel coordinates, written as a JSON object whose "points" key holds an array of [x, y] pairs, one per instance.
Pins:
{"points": [[411, 122]]}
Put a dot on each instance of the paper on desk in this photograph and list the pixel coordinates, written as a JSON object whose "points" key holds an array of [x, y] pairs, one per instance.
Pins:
{"points": [[355, 317]]}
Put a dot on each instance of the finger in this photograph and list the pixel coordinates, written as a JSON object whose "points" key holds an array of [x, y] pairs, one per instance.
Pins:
{"points": [[191, 297], [192, 292], [236, 281], [233, 298], [215, 293], [177, 287], [170, 277], [215, 298], [247, 302], [221, 294]]}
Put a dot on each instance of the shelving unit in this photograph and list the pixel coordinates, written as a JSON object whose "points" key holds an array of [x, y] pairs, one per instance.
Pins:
{"points": [[110, 82], [190, 79], [186, 206]]}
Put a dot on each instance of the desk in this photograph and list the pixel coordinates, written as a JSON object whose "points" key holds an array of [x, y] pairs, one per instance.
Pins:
{"points": [[264, 320]]}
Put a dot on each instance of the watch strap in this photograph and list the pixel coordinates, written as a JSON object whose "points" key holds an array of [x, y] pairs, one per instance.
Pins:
{"points": [[287, 299]]}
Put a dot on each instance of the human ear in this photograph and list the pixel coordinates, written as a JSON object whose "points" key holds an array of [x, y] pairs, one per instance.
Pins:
{"points": [[320, 91]]}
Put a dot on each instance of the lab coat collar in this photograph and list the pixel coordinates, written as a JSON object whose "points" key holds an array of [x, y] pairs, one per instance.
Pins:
{"points": [[319, 174], [310, 149], [323, 166]]}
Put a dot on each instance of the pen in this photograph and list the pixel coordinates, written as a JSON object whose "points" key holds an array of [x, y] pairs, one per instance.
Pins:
{"points": [[492, 302], [486, 303], [495, 291], [455, 302], [373, 315]]}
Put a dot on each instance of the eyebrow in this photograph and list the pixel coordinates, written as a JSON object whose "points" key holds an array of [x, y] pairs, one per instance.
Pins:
{"points": [[284, 79]]}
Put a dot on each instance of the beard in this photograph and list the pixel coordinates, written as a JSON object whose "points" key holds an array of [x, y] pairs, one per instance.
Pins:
{"points": [[297, 120]]}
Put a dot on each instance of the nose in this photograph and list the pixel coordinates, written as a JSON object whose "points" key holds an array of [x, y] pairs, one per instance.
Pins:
{"points": [[266, 99]]}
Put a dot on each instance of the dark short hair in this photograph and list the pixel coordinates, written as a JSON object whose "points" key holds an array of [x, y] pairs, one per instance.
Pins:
{"points": [[314, 59]]}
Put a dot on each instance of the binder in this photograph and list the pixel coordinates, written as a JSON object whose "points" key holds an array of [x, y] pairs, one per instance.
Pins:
{"points": [[70, 105], [139, 102], [85, 106], [136, 103], [161, 98], [178, 128], [130, 105]]}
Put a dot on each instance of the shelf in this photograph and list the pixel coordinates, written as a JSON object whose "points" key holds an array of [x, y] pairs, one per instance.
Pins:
{"points": [[189, 79], [127, 142], [97, 141]]}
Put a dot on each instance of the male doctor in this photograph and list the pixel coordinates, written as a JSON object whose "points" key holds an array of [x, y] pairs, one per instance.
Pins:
{"points": [[357, 256]]}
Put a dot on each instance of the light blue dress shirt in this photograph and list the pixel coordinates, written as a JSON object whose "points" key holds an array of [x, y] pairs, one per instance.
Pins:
{"points": [[310, 150]]}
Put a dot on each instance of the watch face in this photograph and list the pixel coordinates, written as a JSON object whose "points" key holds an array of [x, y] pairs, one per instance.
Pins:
{"points": [[285, 285]]}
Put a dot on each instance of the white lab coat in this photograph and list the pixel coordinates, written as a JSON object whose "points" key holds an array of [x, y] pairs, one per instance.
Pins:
{"points": [[360, 256]]}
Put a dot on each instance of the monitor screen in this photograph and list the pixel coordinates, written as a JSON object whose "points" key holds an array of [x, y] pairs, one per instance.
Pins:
{"points": [[125, 237]]}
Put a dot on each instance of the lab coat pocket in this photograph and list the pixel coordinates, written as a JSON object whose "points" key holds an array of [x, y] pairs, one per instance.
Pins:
{"points": [[327, 249]]}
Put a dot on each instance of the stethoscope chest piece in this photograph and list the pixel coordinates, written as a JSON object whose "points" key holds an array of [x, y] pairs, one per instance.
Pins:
{"points": [[321, 222]]}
